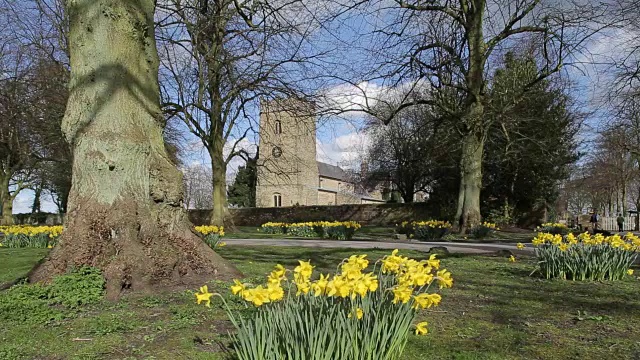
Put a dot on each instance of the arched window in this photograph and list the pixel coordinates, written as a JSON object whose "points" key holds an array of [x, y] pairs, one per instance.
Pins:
{"points": [[277, 200], [278, 127]]}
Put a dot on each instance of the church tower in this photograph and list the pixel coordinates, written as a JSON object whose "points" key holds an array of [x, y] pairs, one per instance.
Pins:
{"points": [[287, 167]]}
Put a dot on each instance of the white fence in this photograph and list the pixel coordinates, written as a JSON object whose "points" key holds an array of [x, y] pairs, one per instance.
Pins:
{"points": [[610, 223]]}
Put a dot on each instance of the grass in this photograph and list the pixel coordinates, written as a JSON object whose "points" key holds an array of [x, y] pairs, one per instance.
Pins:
{"points": [[494, 311], [16, 263], [379, 233]]}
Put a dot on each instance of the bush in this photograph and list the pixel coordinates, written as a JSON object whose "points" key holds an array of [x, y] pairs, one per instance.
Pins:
{"points": [[22, 236], [430, 230], [586, 257], [273, 228], [483, 230], [212, 235], [352, 315], [553, 228]]}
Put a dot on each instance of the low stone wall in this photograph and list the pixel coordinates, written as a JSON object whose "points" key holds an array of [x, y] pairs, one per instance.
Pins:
{"points": [[366, 214], [38, 219]]}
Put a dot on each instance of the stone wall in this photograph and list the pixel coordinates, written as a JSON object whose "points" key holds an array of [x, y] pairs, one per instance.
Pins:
{"points": [[366, 214], [37, 219]]}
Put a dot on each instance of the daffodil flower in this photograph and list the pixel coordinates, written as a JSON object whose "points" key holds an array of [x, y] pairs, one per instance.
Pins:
{"points": [[421, 328], [204, 295]]}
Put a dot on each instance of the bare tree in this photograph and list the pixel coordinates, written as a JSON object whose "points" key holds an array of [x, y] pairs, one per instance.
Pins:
{"points": [[450, 47], [16, 140], [198, 187], [219, 58]]}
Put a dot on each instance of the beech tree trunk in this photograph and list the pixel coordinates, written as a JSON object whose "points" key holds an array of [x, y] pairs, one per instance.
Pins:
{"points": [[6, 201], [219, 213], [125, 210], [468, 214]]}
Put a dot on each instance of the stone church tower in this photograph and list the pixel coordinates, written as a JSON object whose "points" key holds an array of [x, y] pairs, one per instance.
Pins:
{"points": [[287, 171]]}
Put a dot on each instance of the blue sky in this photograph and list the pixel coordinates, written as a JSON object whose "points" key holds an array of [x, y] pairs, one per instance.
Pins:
{"points": [[340, 139]]}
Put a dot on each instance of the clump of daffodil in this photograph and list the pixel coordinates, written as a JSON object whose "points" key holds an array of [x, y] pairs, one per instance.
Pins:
{"points": [[212, 235], [586, 256], [430, 229], [336, 230], [377, 301], [20, 236]]}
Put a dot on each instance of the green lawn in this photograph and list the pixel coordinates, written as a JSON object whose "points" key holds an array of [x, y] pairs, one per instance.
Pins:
{"points": [[494, 311], [16, 263], [380, 233]]}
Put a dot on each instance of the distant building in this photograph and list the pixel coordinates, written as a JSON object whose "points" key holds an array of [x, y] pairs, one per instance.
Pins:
{"points": [[288, 172]]}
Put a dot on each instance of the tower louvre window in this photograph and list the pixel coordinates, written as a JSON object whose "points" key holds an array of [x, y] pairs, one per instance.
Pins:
{"points": [[278, 127], [277, 200]]}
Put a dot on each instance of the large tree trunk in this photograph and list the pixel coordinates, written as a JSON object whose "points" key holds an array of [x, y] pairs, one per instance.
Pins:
{"points": [[6, 201], [219, 213], [125, 213], [468, 214]]}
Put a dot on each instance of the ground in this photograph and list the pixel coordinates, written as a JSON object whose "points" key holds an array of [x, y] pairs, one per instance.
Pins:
{"points": [[494, 311]]}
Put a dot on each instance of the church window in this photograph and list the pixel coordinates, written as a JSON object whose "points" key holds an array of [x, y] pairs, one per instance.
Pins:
{"points": [[277, 200], [278, 126]]}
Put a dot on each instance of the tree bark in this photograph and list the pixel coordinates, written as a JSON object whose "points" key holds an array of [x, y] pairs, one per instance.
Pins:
{"points": [[219, 213], [7, 201], [125, 210], [468, 214]]}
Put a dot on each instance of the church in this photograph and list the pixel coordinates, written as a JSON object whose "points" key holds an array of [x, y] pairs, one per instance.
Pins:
{"points": [[288, 172]]}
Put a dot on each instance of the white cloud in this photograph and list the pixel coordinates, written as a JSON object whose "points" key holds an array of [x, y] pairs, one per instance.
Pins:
{"points": [[345, 150], [349, 97]]}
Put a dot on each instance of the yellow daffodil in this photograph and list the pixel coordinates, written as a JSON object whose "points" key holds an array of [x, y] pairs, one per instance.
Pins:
{"points": [[222, 244], [444, 279], [630, 272], [238, 288], [520, 246], [275, 292], [258, 296], [303, 288], [421, 328], [512, 258], [304, 270], [433, 262], [359, 314], [402, 294], [423, 301], [204, 295], [319, 287]]}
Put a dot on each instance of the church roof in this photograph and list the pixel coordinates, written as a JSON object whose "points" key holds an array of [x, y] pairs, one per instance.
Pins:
{"points": [[332, 171]]}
